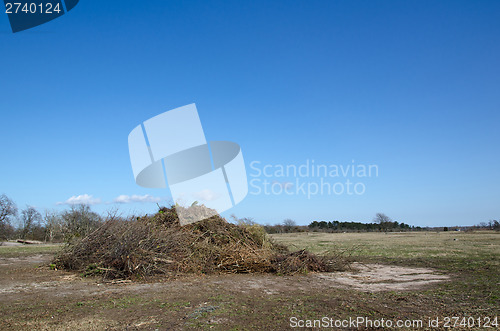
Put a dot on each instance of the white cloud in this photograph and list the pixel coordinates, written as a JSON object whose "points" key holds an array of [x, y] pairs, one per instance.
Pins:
{"points": [[83, 199], [136, 198], [206, 195]]}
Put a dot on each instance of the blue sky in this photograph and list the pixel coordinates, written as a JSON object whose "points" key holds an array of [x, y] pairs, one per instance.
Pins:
{"points": [[411, 86]]}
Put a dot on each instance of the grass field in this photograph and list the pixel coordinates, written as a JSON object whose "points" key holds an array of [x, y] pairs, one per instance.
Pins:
{"points": [[472, 257], [428, 248], [28, 250], [35, 297]]}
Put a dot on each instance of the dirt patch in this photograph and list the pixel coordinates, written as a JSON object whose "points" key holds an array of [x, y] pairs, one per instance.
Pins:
{"points": [[5, 261], [379, 277], [33, 276]]}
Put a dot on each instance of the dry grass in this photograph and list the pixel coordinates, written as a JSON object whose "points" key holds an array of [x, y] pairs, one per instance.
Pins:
{"points": [[28, 250], [406, 245]]}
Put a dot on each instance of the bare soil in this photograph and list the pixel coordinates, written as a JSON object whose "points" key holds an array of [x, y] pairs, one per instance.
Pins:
{"points": [[379, 277]]}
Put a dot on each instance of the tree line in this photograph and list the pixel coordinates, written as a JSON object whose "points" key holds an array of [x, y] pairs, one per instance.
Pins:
{"points": [[30, 224], [79, 220], [381, 222], [358, 226], [490, 225]]}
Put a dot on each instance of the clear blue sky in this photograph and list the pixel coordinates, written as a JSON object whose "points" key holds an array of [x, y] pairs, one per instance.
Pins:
{"points": [[411, 86]]}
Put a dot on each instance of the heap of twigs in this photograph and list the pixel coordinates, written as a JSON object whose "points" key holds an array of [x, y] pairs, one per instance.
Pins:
{"points": [[154, 245]]}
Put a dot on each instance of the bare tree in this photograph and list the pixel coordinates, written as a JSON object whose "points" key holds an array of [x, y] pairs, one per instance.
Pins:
{"points": [[7, 209], [79, 221], [492, 225], [289, 225], [30, 217], [384, 220], [53, 225]]}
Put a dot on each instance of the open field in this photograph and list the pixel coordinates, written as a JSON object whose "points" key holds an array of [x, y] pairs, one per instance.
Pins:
{"points": [[421, 248], [408, 276], [28, 250]]}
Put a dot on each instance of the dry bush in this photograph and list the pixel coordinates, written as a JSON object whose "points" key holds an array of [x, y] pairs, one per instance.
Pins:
{"points": [[156, 245]]}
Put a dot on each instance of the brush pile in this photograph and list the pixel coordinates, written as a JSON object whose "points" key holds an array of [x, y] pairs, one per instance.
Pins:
{"points": [[158, 245]]}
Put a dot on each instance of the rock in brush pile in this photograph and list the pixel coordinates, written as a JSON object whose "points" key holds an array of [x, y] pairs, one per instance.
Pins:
{"points": [[154, 245]]}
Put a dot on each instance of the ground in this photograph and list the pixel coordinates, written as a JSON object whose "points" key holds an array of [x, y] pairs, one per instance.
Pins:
{"points": [[396, 276]]}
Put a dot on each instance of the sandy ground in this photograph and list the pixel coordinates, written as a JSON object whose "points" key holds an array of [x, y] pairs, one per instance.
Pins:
{"points": [[379, 277]]}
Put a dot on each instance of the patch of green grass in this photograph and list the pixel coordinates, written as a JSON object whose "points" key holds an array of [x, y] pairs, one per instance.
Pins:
{"points": [[92, 270], [127, 302], [176, 305]]}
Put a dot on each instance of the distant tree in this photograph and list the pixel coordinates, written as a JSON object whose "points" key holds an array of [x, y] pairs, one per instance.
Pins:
{"points": [[53, 226], [322, 224], [445, 228], [79, 221], [30, 218], [8, 209], [279, 228], [404, 226], [491, 225], [289, 225], [383, 220], [313, 224]]}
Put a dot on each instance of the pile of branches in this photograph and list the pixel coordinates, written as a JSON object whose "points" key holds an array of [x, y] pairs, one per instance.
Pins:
{"points": [[158, 245]]}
